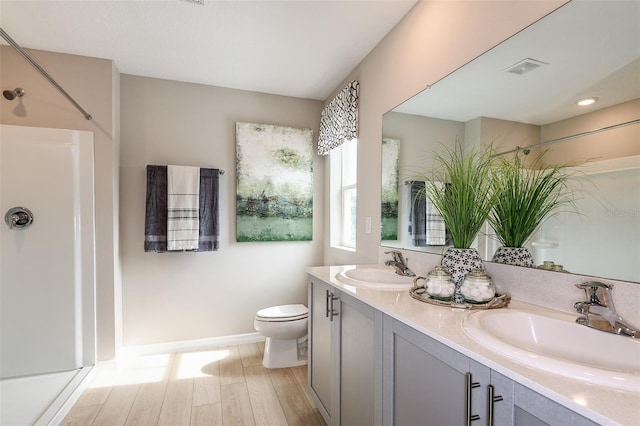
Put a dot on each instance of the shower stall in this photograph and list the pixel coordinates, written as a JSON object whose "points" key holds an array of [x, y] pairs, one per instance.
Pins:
{"points": [[47, 271]]}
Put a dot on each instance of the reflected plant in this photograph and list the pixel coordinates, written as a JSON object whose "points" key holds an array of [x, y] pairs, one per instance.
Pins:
{"points": [[525, 195], [467, 199]]}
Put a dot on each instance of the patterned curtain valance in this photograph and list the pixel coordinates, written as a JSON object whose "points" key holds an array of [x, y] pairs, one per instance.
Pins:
{"points": [[339, 120]]}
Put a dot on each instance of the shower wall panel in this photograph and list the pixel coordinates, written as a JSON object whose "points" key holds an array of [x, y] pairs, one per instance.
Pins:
{"points": [[607, 197], [47, 269]]}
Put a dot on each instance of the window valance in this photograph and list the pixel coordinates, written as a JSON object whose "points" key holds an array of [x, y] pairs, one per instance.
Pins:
{"points": [[339, 120]]}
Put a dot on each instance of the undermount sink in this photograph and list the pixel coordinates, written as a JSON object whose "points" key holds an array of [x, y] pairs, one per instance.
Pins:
{"points": [[555, 343], [378, 277]]}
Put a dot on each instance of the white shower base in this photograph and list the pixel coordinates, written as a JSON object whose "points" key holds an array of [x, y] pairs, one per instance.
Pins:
{"points": [[42, 399]]}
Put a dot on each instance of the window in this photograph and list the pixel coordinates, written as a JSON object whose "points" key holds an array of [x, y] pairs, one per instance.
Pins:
{"points": [[343, 188]]}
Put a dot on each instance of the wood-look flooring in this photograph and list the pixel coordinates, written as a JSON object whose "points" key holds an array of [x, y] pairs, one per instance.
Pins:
{"points": [[223, 386]]}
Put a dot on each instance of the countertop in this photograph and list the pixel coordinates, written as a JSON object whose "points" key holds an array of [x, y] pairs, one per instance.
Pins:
{"points": [[604, 405]]}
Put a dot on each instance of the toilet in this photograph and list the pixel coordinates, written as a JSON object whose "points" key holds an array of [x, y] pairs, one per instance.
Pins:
{"points": [[285, 329]]}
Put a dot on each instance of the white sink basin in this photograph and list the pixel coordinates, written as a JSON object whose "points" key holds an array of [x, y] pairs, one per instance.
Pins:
{"points": [[555, 343], [378, 277]]}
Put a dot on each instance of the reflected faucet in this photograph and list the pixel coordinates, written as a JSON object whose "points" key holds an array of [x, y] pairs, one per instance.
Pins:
{"points": [[599, 311], [399, 263]]}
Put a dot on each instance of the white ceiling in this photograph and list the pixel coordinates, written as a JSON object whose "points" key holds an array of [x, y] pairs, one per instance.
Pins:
{"points": [[591, 48], [299, 48]]}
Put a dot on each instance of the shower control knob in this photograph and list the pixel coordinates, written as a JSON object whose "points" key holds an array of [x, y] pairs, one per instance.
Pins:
{"points": [[18, 218]]}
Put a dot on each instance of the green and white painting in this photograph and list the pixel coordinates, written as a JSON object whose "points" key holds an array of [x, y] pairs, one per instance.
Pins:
{"points": [[390, 157], [274, 196]]}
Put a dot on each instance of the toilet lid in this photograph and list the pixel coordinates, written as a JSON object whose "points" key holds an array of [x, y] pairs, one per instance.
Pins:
{"points": [[283, 313]]}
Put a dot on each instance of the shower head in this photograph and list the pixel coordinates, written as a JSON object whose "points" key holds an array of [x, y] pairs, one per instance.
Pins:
{"points": [[12, 94]]}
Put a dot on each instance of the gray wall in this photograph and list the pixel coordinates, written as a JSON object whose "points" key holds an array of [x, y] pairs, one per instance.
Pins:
{"points": [[433, 40], [182, 296]]}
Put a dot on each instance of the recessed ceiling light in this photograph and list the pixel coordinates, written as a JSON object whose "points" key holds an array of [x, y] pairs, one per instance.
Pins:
{"points": [[586, 101]]}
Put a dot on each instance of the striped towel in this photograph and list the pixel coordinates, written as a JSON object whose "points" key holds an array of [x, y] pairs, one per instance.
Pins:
{"points": [[183, 195], [435, 230]]}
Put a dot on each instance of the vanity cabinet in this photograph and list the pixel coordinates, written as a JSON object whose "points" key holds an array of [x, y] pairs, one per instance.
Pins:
{"points": [[345, 356], [428, 383], [370, 368], [425, 382]]}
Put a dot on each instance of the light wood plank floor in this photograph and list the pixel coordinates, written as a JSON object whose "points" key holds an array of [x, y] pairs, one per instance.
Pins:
{"points": [[223, 386]]}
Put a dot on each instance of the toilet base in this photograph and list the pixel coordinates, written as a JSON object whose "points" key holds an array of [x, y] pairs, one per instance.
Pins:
{"points": [[280, 353]]}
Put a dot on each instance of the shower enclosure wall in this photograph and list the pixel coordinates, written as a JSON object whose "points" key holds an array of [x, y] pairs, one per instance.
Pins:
{"points": [[47, 270]]}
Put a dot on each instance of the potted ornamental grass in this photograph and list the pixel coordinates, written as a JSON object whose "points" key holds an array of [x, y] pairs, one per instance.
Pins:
{"points": [[459, 185], [524, 196]]}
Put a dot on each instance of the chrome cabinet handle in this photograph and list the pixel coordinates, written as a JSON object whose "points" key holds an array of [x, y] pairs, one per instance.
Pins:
{"points": [[330, 312], [491, 399], [469, 385], [326, 304], [333, 312]]}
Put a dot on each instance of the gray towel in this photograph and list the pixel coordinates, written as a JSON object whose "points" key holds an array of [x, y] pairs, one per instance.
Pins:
{"points": [[427, 225], [155, 224], [418, 214], [155, 229], [208, 239]]}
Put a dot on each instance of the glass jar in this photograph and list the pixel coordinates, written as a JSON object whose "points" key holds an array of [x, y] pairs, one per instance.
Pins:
{"points": [[477, 287], [439, 284]]}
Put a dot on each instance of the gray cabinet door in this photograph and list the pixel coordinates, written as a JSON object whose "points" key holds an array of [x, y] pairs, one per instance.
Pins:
{"points": [[320, 347], [360, 362], [345, 357], [502, 405], [521, 406], [424, 380], [532, 409]]}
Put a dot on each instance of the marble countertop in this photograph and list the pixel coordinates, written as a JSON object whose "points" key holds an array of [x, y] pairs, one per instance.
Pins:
{"points": [[603, 405]]}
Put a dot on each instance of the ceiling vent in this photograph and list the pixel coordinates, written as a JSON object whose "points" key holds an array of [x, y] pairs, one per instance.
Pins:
{"points": [[524, 66]]}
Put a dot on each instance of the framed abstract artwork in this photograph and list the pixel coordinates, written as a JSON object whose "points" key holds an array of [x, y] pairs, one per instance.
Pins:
{"points": [[274, 192], [389, 216]]}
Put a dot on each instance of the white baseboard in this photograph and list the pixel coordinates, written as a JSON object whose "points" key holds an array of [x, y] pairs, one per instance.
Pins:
{"points": [[62, 405], [188, 345]]}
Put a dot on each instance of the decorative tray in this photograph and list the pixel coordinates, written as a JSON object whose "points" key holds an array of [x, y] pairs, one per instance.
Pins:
{"points": [[499, 301]]}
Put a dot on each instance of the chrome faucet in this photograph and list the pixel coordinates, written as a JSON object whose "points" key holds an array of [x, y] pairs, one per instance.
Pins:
{"points": [[599, 311], [399, 263]]}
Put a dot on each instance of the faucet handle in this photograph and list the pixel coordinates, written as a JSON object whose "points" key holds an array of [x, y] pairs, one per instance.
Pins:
{"points": [[598, 293], [581, 307], [397, 255], [594, 285]]}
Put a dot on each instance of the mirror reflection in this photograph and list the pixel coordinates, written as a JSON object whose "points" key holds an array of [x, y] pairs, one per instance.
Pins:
{"points": [[522, 97]]}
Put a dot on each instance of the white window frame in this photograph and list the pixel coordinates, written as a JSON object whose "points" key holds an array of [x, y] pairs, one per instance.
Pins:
{"points": [[343, 183]]}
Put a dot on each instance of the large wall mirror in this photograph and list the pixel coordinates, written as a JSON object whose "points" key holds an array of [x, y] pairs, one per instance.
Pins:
{"points": [[523, 94]]}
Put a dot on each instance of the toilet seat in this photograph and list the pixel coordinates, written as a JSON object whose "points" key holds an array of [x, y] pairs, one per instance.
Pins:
{"points": [[283, 313]]}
